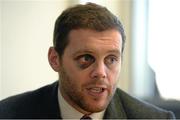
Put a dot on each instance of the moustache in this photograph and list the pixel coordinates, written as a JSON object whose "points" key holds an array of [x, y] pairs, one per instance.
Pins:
{"points": [[97, 83]]}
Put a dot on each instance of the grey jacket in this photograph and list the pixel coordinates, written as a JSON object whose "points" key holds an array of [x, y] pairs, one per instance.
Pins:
{"points": [[43, 103]]}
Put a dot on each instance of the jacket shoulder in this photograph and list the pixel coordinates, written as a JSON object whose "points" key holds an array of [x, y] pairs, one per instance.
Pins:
{"points": [[28, 104], [139, 109]]}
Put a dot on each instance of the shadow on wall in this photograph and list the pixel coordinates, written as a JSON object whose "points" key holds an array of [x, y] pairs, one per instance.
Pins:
{"points": [[172, 105]]}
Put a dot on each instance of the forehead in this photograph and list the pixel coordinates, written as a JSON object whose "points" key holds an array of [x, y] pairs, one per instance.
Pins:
{"points": [[82, 40]]}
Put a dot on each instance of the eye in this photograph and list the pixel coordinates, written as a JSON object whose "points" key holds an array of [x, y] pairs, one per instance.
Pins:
{"points": [[111, 60], [85, 61]]}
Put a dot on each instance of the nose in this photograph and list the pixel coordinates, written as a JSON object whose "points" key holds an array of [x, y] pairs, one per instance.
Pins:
{"points": [[99, 71]]}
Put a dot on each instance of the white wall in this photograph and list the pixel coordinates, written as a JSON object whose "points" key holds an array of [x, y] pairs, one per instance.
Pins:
{"points": [[27, 33], [163, 46], [0, 53]]}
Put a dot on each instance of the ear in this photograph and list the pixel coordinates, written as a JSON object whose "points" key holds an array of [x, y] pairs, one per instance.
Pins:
{"points": [[53, 58]]}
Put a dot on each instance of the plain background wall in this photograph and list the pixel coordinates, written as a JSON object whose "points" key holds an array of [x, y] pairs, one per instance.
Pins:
{"points": [[27, 33], [27, 30], [0, 53]]}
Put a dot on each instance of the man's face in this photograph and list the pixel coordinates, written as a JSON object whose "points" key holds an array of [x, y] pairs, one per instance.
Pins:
{"points": [[89, 69]]}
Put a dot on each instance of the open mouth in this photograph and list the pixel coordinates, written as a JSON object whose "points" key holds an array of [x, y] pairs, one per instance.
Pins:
{"points": [[96, 91]]}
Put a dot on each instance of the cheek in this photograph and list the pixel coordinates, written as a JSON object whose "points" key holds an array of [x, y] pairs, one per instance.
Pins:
{"points": [[75, 74], [70, 69], [114, 76], [113, 79]]}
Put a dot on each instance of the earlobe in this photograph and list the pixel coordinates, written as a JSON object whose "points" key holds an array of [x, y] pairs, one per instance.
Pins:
{"points": [[53, 58]]}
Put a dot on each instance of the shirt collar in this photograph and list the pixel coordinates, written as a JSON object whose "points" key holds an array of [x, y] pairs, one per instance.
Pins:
{"points": [[68, 112]]}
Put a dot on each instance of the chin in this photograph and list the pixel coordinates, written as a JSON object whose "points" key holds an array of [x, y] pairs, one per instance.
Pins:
{"points": [[96, 109], [96, 106]]}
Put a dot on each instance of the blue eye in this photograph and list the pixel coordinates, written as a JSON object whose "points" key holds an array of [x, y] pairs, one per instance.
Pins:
{"points": [[85, 61]]}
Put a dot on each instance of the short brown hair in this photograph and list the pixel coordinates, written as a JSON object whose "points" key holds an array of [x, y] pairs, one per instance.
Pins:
{"points": [[89, 16]]}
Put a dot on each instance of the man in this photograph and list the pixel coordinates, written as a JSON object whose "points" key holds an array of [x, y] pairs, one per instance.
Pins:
{"points": [[87, 54]]}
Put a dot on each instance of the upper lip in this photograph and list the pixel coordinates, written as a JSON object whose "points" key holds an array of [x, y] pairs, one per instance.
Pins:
{"points": [[99, 86]]}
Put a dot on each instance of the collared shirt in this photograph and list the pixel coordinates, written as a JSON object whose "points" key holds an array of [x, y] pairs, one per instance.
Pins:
{"points": [[68, 112]]}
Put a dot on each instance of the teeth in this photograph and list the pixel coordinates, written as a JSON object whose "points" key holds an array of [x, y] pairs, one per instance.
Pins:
{"points": [[96, 90]]}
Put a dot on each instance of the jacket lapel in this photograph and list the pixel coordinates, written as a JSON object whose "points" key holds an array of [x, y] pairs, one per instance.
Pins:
{"points": [[52, 107], [115, 109]]}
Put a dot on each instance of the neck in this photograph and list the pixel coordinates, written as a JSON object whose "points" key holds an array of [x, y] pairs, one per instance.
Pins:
{"points": [[75, 106]]}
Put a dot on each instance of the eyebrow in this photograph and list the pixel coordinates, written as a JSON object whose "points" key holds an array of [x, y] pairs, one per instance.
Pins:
{"points": [[91, 52], [115, 51], [82, 51]]}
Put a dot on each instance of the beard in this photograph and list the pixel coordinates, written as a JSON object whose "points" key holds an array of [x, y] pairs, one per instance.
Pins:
{"points": [[73, 93]]}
